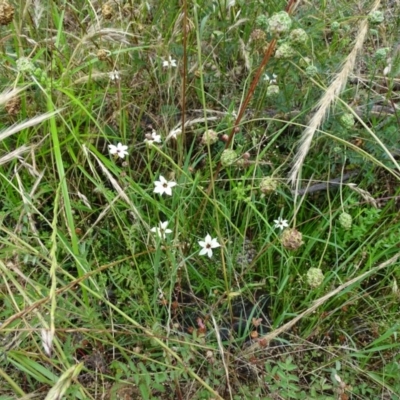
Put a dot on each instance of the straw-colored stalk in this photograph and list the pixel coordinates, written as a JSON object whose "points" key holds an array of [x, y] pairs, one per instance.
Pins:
{"points": [[328, 99]]}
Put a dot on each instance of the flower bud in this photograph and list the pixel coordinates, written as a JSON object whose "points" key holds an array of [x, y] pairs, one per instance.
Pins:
{"points": [[225, 137]]}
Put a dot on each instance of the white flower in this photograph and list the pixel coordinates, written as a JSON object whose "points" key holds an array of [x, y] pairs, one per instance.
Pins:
{"points": [[119, 149], [161, 230], [387, 69], [281, 223], [47, 340], [270, 79], [153, 137], [170, 63], [114, 75], [164, 186], [207, 245]]}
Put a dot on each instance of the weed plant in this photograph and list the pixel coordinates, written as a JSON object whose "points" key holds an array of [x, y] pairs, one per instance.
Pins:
{"points": [[199, 200]]}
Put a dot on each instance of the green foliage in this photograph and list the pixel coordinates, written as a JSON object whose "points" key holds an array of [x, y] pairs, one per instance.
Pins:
{"points": [[81, 249]]}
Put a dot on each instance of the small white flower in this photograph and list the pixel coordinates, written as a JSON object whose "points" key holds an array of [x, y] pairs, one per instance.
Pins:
{"points": [[207, 245], [164, 186], [119, 149], [387, 69], [170, 63], [47, 340], [270, 79], [281, 223], [114, 75], [153, 137], [161, 230]]}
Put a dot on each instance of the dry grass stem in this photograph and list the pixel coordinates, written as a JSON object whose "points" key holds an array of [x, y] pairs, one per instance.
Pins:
{"points": [[328, 99], [14, 154], [117, 187], [27, 124], [364, 194], [319, 302]]}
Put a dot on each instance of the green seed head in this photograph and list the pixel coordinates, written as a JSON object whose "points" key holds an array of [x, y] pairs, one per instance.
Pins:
{"points": [[24, 64], [347, 120], [262, 21], [311, 70], [298, 37], [315, 277], [376, 17], [268, 185], [335, 26], [381, 54], [209, 137], [272, 91], [285, 51], [345, 221], [279, 23], [228, 157]]}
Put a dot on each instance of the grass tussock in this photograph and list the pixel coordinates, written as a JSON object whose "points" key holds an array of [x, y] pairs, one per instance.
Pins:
{"points": [[151, 244]]}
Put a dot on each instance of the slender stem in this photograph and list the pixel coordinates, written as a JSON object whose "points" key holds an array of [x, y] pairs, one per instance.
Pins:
{"points": [[183, 101], [250, 93]]}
